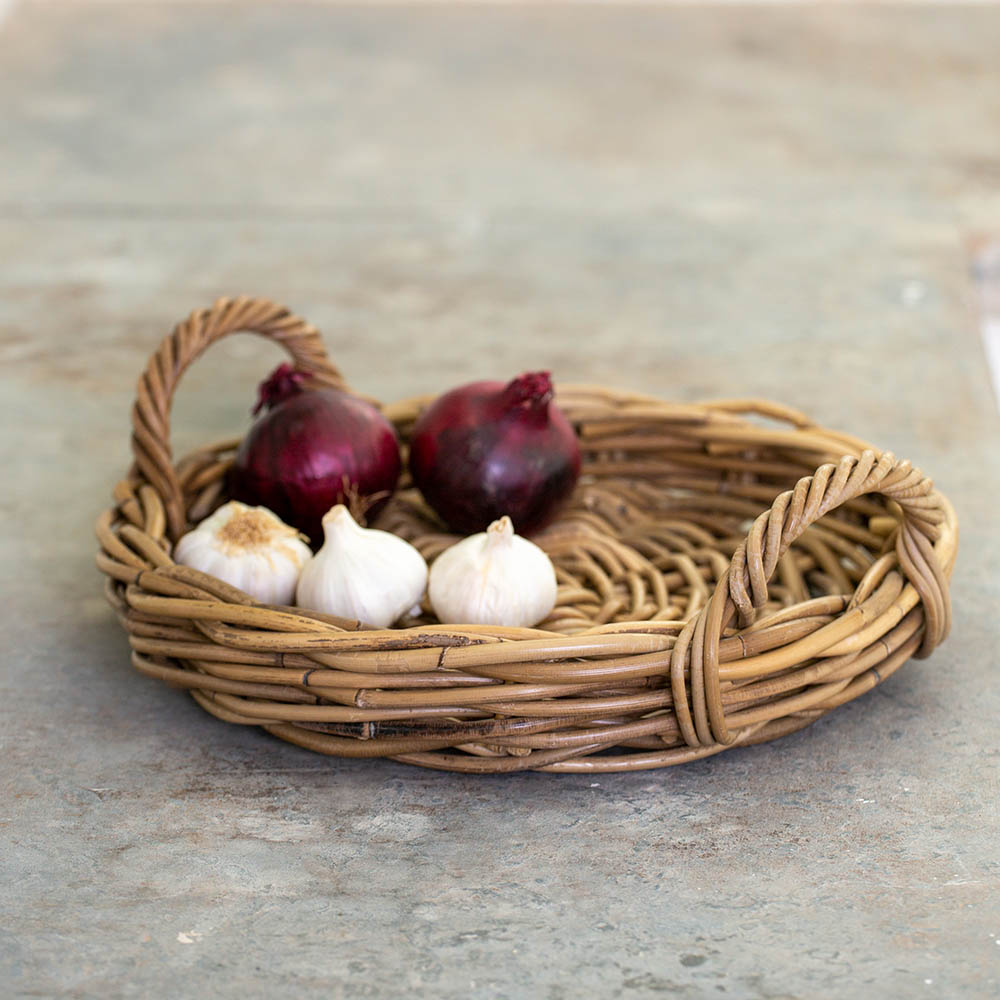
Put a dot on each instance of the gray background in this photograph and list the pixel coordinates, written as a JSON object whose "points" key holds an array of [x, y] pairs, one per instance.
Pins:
{"points": [[692, 201]]}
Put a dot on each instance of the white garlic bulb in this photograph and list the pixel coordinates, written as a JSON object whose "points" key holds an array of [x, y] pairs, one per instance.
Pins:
{"points": [[493, 578], [363, 573], [248, 547]]}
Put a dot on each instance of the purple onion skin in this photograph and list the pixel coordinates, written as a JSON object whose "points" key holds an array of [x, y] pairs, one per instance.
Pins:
{"points": [[488, 448], [300, 455]]}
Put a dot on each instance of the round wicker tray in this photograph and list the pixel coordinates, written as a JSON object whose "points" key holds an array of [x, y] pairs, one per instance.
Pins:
{"points": [[728, 573]]}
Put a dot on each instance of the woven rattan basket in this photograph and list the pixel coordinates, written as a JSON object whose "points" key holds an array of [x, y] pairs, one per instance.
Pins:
{"points": [[728, 573]]}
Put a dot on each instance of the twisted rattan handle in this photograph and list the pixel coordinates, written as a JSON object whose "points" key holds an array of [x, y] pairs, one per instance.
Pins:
{"points": [[743, 591], [187, 341]]}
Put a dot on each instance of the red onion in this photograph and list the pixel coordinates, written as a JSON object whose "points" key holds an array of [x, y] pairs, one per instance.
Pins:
{"points": [[312, 449], [488, 449]]}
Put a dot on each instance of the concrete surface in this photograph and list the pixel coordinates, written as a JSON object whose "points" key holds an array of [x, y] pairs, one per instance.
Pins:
{"points": [[696, 202]]}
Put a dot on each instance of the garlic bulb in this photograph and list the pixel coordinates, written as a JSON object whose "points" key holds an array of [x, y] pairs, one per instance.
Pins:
{"points": [[361, 573], [248, 547], [493, 578]]}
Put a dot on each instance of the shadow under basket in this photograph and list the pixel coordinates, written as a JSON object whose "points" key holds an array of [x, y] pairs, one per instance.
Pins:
{"points": [[728, 573]]}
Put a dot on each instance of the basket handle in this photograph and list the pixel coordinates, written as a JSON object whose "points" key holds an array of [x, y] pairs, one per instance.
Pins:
{"points": [[743, 591], [188, 340]]}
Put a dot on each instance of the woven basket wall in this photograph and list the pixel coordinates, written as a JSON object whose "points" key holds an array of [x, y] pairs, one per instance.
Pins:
{"points": [[728, 573]]}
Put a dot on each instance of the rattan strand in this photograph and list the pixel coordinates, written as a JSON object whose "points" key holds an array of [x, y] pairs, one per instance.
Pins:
{"points": [[728, 573]]}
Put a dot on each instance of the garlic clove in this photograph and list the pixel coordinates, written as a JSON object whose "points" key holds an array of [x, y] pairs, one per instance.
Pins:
{"points": [[493, 578], [247, 547], [362, 573]]}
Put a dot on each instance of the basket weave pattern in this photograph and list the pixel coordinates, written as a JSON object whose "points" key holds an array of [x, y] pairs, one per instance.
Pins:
{"points": [[728, 573]]}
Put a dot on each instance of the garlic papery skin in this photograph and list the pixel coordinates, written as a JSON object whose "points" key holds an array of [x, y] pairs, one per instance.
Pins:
{"points": [[361, 573], [493, 578], [247, 547]]}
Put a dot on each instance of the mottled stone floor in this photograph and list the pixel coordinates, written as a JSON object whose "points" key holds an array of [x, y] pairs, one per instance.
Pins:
{"points": [[691, 201]]}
